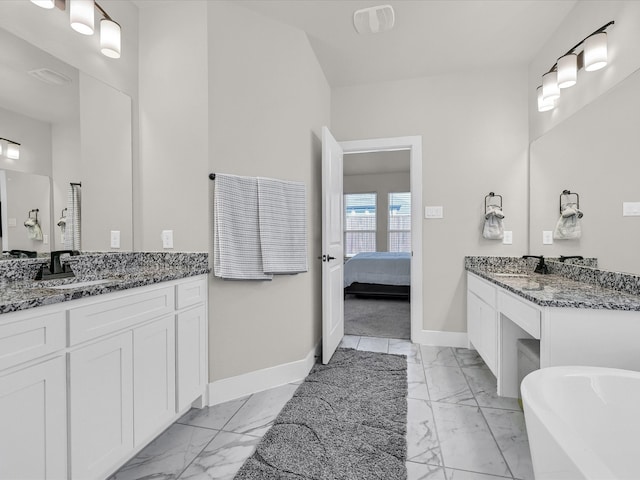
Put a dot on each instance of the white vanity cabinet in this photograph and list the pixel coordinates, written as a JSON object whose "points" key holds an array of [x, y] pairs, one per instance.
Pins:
{"points": [[482, 320], [106, 374]]}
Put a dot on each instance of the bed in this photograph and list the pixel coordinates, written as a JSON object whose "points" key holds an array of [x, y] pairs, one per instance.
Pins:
{"points": [[378, 274]]}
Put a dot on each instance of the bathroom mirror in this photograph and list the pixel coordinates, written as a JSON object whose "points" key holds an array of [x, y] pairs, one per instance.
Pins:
{"points": [[25, 197], [594, 153], [71, 128]]}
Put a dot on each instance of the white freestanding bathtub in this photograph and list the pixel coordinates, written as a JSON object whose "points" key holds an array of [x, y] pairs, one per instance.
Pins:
{"points": [[583, 423]]}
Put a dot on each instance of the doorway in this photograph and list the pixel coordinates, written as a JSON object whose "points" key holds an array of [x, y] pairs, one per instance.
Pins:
{"points": [[377, 244]]}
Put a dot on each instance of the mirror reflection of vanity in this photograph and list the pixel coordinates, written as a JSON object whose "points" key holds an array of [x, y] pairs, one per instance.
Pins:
{"points": [[71, 128], [594, 153]]}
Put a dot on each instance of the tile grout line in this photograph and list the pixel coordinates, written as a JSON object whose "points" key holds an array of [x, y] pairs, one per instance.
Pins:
{"points": [[435, 425], [484, 418]]}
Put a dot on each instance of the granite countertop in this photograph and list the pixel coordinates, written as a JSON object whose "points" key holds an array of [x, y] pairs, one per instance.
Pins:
{"points": [[25, 294], [558, 291]]}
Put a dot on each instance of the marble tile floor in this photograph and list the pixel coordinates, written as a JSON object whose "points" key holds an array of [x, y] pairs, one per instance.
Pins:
{"points": [[457, 427]]}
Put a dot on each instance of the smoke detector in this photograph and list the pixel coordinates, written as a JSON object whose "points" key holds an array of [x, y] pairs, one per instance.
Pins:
{"points": [[374, 19]]}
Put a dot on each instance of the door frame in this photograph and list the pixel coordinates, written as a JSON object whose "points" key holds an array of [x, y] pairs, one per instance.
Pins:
{"points": [[414, 145]]}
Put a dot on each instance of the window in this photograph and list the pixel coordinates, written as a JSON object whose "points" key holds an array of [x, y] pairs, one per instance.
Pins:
{"points": [[359, 223], [400, 222]]}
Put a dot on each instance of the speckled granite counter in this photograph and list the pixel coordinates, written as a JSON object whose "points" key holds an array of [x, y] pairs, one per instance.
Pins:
{"points": [[569, 285], [18, 290]]}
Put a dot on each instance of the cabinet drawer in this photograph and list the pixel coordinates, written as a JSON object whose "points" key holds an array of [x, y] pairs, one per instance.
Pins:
{"points": [[191, 293], [32, 337], [482, 289], [102, 318], [525, 316]]}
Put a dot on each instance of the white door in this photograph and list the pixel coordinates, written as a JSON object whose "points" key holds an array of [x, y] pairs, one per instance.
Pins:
{"points": [[332, 246]]}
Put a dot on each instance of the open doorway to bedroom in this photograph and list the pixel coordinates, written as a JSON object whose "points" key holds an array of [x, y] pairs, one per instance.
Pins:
{"points": [[377, 243]]}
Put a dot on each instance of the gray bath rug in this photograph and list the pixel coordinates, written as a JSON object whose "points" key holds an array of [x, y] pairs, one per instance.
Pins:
{"points": [[346, 421], [377, 317]]}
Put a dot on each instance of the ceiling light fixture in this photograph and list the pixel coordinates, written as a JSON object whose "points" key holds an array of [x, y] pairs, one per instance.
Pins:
{"points": [[10, 148], [564, 73], [374, 19], [82, 19]]}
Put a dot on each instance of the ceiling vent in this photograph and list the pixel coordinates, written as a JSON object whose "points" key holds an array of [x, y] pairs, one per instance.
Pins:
{"points": [[47, 75], [374, 19]]}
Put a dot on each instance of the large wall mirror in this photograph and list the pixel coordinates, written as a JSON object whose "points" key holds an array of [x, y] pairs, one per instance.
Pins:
{"points": [[594, 153], [73, 130]]}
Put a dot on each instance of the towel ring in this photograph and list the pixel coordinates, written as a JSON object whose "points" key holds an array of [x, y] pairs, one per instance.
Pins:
{"points": [[490, 197], [33, 210], [567, 193]]}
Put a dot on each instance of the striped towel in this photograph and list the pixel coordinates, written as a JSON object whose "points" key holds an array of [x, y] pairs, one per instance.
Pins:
{"points": [[237, 253], [72, 229], [283, 225]]}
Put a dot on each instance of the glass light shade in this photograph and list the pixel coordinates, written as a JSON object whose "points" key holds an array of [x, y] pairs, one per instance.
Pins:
{"points": [[110, 38], [595, 52], [544, 105], [550, 89], [13, 151], [48, 4], [567, 70], [81, 14]]}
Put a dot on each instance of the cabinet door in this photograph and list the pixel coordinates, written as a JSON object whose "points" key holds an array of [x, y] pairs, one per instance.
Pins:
{"points": [[191, 331], [483, 330], [154, 374], [101, 405], [33, 422]]}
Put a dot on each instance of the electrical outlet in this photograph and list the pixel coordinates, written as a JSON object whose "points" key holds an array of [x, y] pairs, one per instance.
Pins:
{"points": [[11, 222], [45, 239], [115, 238], [167, 239], [547, 237], [433, 212], [507, 239], [631, 209]]}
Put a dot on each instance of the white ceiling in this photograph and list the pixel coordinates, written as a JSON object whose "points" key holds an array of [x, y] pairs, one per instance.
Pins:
{"points": [[430, 37], [376, 162]]}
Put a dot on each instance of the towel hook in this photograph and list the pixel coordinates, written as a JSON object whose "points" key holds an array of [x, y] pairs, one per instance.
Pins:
{"points": [[568, 193], [490, 197]]}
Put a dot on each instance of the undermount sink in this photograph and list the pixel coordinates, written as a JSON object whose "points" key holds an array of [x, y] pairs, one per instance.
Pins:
{"points": [[522, 275], [89, 283]]}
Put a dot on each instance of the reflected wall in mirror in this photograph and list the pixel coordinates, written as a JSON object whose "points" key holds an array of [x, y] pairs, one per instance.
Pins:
{"points": [[73, 129], [25, 209], [594, 153]]}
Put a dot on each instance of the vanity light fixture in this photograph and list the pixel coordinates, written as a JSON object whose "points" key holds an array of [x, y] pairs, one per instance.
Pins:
{"points": [[82, 19], [9, 148], [564, 73]]}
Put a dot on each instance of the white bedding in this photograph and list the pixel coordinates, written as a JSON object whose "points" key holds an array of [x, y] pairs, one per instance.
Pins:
{"points": [[383, 268]]}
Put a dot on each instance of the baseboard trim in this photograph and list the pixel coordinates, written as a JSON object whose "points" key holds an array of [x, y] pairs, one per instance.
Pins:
{"points": [[231, 388], [440, 338]]}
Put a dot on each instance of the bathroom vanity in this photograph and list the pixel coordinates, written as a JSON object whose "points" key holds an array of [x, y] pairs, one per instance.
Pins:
{"points": [[92, 371], [577, 322]]}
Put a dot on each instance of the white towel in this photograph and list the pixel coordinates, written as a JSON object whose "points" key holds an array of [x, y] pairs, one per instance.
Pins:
{"points": [[72, 229], [237, 253], [283, 225], [493, 228], [568, 226]]}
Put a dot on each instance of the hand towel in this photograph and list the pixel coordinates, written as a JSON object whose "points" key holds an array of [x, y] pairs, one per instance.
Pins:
{"points": [[72, 233], [493, 228], [237, 253], [568, 225], [283, 225]]}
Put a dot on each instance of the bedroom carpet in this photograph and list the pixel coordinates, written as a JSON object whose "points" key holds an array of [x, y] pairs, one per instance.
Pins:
{"points": [[377, 317], [347, 420]]}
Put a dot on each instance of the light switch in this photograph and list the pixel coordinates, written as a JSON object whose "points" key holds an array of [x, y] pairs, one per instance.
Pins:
{"points": [[45, 239], [507, 239], [631, 209], [115, 238], [167, 239], [433, 212], [547, 237], [11, 222]]}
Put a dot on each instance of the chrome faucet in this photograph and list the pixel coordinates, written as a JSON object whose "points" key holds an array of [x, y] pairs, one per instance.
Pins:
{"points": [[541, 267]]}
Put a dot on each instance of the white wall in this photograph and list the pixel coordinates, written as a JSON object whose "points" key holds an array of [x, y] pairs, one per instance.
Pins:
{"points": [[475, 138], [624, 58], [268, 99], [382, 184], [34, 137]]}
